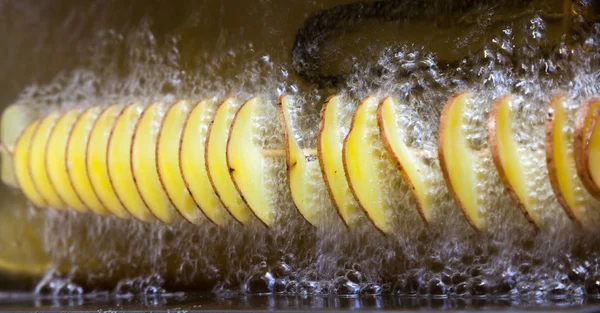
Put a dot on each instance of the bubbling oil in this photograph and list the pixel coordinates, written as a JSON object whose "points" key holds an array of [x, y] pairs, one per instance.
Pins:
{"points": [[445, 258]]}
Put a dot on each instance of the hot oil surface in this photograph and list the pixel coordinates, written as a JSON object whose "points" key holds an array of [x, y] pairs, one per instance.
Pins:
{"points": [[150, 57]]}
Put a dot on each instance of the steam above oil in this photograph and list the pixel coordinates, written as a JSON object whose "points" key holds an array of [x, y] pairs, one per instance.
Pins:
{"points": [[445, 258]]}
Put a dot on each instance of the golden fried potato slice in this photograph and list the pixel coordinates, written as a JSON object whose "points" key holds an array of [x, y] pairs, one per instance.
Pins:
{"points": [[192, 162], [144, 163], [304, 173], [167, 160], [216, 162], [458, 159], [507, 158], [561, 166], [21, 165], [583, 132], [37, 161], [409, 161], [119, 160], [56, 162], [333, 128], [254, 135], [365, 163], [97, 124]]}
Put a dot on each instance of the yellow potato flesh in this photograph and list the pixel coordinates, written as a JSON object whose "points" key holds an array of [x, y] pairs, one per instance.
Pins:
{"points": [[216, 162], [167, 155], [119, 162], [458, 160], [145, 167], [37, 161], [362, 161], [561, 165], [21, 165], [56, 165], [593, 150], [583, 132], [409, 161], [100, 193], [193, 165], [508, 158], [329, 147], [15, 119], [249, 168], [301, 169]]}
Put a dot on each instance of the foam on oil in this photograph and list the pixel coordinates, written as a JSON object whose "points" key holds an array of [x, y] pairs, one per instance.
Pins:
{"points": [[447, 258]]}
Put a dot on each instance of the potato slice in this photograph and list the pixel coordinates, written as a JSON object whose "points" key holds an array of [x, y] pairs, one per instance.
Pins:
{"points": [[56, 165], [15, 119], [21, 165], [119, 159], [99, 194], [592, 151], [458, 159], [507, 158], [561, 166], [37, 161], [216, 162], [408, 160], [167, 159], [193, 166], [365, 161], [583, 130], [333, 128], [305, 180], [144, 165], [254, 132]]}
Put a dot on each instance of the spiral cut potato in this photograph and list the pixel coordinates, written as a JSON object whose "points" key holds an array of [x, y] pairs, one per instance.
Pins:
{"points": [[224, 161]]}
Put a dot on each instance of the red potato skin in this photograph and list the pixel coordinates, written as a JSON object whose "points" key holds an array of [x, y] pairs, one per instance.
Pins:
{"points": [[581, 145], [552, 174], [498, 163], [396, 161], [443, 165]]}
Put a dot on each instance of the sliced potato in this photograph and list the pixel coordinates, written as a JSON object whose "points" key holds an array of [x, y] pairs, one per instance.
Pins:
{"points": [[583, 130], [56, 165], [119, 159], [21, 165], [167, 160], [333, 128], [15, 119], [37, 161], [216, 162], [95, 163], [561, 165], [507, 158], [592, 151], [305, 180], [365, 165], [458, 159], [409, 161], [144, 165], [193, 166], [255, 173]]}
